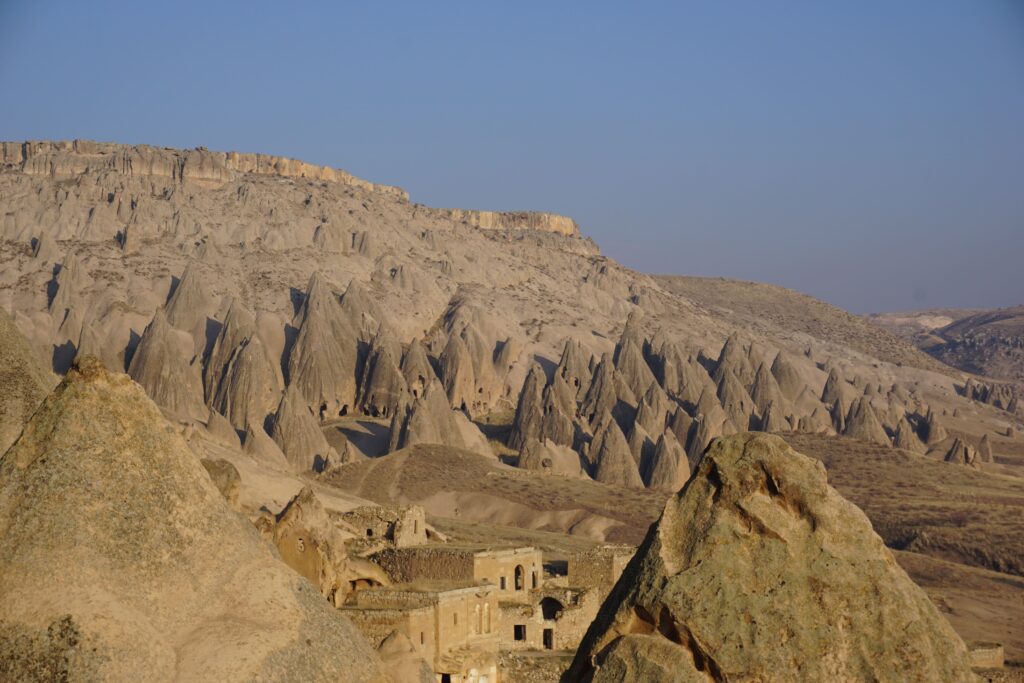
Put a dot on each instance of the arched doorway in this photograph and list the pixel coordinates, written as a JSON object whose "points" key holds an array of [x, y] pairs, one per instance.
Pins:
{"points": [[550, 608]]}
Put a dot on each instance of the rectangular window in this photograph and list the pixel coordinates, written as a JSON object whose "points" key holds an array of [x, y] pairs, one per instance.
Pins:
{"points": [[422, 638], [519, 632], [455, 619], [549, 639], [502, 582]]}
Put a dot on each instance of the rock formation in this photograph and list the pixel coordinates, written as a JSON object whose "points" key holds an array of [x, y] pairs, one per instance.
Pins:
{"points": [[529, 415], [416, 368], [787, 375], [159, 579], [225, 477], [249, 390], [613, 463], [985, 449], [24, 380], [574, 368], [668, 468], [759, 570], [960, 453], [906, 438], [165, 367], [862, 423], [324, 357], [383, 388], [934, 430], [312, 545], [298, 434]]}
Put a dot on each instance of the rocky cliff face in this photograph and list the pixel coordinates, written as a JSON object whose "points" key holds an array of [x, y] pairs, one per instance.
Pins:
{"points": [[759, 570], [70, 158]]}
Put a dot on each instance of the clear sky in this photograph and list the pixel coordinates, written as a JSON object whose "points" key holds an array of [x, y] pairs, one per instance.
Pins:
{"points": [[867, 152]]}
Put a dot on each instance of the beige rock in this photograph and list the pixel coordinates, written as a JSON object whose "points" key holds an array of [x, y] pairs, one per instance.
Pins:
{"points": [[757, 542], [24, 380], [298, 434], [225, 477], [165, 367], [160, 580], [863, 423]]}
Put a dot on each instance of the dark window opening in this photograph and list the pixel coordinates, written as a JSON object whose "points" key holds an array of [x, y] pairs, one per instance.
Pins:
{"points": [[422, 638], [519, 632], [534, 578], [323, 410], [369, 533], [550, 608], [549, 639], [502, 581], [446, 678], [344, 410], [519, 577]]}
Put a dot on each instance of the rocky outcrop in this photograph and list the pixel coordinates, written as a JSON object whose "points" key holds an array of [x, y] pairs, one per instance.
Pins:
{"points": [[249, 390], [934, 430], [24, 380], [383, 388], [165, 367], [325, 356], [613, 463], [961, 453], [159, 580], [759, 570], [906, 438], [67, 159], [574, 368], [507, 220], [298, 434], [225, 477], [311, 544], [863, 423]]}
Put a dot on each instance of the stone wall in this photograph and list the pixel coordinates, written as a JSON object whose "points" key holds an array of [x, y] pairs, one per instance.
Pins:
{"points": [[986, 655], [599, 567], [405, 565], [404, 526]]}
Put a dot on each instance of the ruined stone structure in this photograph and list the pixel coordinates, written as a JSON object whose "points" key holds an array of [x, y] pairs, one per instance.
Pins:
{"points": [[513, 571], [402, 526], [599, 568], [986, 655], [455, 629]]}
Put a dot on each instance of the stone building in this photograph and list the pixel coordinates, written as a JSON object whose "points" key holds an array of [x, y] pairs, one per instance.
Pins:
{"points": [[456, 629], [599, 567], [402, 526], [513, 571], [555, 618]]}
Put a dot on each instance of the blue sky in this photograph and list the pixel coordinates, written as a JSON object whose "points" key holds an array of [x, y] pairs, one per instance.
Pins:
{"points": [[869, 153]]}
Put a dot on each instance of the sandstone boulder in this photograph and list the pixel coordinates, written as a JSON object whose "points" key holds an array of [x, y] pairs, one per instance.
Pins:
{"points": [[158, 579], [759, 570]]}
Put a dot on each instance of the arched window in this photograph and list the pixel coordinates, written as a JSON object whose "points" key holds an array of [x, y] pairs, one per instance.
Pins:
{"points": [[519, 577], [487, 617]]}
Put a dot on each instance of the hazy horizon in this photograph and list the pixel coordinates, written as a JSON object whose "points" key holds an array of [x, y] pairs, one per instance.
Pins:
{"points": [[871, 156]]}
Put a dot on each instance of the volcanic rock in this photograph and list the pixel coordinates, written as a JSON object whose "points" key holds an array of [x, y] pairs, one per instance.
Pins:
{"points": [[249, 390], [862, 423], [298, 434], [324, 357], [160, 580], [757, 542], [24, 380], [668, 469], [934, 430], [574, 368], [613, 463], [225, 477], [165, 367]]}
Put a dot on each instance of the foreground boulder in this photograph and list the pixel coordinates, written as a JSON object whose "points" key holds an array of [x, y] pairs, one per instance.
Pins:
{"points": [[121, 561], [759, 570]]}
